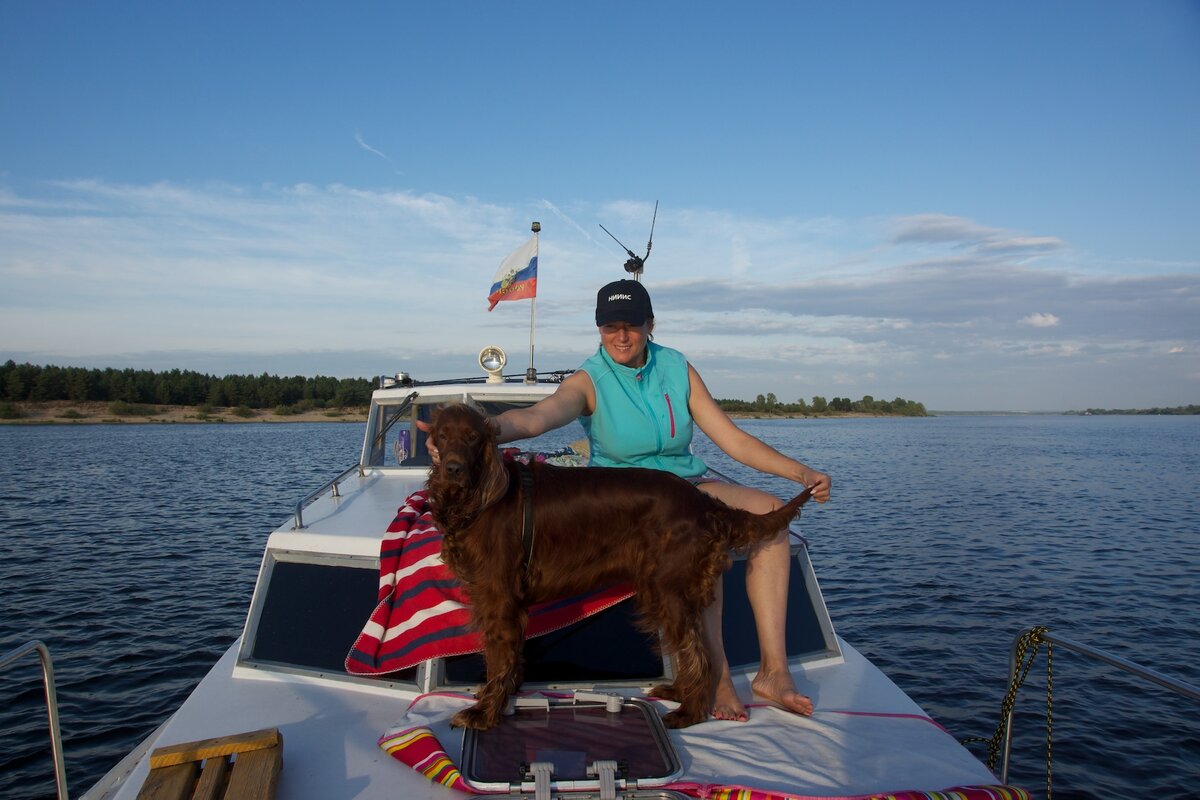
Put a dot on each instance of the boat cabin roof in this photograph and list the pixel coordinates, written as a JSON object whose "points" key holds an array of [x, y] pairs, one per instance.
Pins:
{"points": [[319, 580]]}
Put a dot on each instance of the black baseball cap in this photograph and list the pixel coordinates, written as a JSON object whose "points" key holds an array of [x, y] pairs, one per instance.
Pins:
{"points": [[623, 301]]}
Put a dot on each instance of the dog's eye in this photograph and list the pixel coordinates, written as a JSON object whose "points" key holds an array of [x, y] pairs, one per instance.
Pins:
{"points": [[474, 437]]}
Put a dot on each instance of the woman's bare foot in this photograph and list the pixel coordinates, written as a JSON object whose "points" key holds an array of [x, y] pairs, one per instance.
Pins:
{"points": [[779, 689], [726, 703]]}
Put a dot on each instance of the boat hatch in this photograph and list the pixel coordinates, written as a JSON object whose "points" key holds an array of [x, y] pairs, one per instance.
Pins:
{"points": [[593, 745]]}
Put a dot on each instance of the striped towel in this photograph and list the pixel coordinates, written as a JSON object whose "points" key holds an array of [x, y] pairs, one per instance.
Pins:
{"points": [[422, 611]]}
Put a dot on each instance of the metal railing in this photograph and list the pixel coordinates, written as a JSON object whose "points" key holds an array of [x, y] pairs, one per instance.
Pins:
{"points": [[299, 515], [60, 769], [1177, 686]]}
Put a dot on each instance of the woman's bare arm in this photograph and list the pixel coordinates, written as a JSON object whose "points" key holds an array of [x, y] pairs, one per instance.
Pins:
{"points": [[574, 397], [744, 448]]}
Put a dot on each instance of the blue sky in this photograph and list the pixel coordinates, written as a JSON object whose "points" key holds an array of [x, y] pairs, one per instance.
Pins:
{"points": [[978, 206]]}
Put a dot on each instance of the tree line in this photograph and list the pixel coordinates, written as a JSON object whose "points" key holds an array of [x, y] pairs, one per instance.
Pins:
{"points": [[28, 382], [819, 405], [1175, 410], [32, 383]]}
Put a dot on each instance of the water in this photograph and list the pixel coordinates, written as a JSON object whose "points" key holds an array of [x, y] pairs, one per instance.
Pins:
{"points": [[132, 550]]}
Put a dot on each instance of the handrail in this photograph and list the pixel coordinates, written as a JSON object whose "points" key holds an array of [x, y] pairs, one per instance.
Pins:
{"points": [[60, 769], [311, 496], [1175, 685]]}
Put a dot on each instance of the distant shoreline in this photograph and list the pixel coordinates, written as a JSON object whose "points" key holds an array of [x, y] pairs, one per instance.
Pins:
{"points": [[62, 412]]}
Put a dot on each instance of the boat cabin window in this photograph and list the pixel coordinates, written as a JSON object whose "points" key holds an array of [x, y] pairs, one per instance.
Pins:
{"points": [[603, 647], [311, 612], [313, 608]]}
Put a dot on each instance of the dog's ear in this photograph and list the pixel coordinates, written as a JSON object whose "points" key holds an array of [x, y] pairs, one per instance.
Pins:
{"points": [[493, 480]]}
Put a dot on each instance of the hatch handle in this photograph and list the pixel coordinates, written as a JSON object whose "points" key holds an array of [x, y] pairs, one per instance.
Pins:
{"points": [[606, 771], [514, 703], [611, 700], [541, 771]]}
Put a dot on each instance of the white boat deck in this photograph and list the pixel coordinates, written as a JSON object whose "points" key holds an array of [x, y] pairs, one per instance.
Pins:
{"points": [[865, 737]]}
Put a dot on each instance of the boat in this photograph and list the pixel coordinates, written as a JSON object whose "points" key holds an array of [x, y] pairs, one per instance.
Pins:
{"points": [[315, 666]]}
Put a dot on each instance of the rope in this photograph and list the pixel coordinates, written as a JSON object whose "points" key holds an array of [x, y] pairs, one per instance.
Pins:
{"points": [[1026, 652]]}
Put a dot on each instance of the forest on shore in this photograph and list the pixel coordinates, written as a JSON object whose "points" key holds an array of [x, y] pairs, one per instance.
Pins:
{"points": [[133, 387], [129, 389], [1172, 411], [768, 404]]}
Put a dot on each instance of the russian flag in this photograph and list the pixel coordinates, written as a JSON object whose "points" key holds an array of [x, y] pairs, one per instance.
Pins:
{"points": [[517, 277]]}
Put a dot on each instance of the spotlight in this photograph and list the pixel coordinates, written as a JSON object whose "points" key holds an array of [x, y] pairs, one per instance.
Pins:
{"points": [[492, 359]]}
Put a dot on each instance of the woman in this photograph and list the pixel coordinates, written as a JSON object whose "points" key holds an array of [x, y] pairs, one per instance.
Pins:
{"points": [[638, 402]]}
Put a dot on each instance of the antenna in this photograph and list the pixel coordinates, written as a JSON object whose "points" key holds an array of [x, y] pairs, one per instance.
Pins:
{"points": [[636, 265]]}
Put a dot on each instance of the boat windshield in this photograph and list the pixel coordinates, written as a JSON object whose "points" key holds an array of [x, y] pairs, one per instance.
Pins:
{"points": [[395, 441]]}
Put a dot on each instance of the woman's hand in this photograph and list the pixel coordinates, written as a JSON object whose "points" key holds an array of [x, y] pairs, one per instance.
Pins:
{"points": [[425, 427], [820, 484]]}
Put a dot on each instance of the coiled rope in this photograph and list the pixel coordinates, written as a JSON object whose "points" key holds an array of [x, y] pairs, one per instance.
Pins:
{"points": [[1027, 647]]}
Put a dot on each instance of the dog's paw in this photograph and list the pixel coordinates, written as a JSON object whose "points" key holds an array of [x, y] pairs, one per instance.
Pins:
{"points": [[665, 691], [475, 717], [682, 719]]}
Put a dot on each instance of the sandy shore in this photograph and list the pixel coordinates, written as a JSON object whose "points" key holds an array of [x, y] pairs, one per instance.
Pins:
{"points": [[65, 413]]}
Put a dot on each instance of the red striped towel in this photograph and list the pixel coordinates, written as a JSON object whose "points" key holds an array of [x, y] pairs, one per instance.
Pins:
{"points": [[423, 612]]}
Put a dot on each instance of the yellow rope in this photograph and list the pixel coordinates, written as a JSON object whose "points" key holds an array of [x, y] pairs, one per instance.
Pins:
{"points": [[1027, 649]]}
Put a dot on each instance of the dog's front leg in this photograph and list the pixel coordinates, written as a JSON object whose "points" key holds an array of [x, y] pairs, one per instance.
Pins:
{"points": [[501, 620], [679, 617]]}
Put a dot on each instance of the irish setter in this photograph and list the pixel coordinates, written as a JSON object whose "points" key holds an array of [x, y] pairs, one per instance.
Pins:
{"points": [[590, 527]]}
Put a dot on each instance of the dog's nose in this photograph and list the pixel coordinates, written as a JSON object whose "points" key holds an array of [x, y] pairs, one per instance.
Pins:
{"points": [[453, 468]]}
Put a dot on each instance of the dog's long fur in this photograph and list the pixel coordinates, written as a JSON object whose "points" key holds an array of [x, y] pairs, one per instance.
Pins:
{"points": [[592, 526]]}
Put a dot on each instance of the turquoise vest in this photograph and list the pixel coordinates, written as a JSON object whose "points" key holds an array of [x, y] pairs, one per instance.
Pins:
{"points": [[641, 417]]}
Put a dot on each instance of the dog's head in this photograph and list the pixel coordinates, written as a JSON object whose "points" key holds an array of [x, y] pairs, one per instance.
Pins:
{"points": [[464, 438], [468, 458]]}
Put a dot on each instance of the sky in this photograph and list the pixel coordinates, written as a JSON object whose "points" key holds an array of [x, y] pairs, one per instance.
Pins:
{"points": [[978, 206]]}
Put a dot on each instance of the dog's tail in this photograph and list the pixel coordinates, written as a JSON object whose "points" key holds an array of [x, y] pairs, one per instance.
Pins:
{"points": [[764, 527]]}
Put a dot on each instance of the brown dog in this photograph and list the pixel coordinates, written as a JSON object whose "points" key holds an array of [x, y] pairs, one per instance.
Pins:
{"points": [[590, 527]]}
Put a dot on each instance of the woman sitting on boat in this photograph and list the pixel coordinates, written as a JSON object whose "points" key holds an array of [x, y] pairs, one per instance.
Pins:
{"points": [[638, 401]]}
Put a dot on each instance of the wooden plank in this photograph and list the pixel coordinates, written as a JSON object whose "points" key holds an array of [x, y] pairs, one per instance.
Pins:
{"points": [[213, 748], [213, 778], [170, 783], [255, 774]]}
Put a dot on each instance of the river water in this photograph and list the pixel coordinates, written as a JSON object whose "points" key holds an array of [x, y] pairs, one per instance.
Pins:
{"points": [[131, 550]]}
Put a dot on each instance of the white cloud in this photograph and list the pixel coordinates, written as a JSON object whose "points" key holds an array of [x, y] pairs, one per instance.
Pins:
{"points": [[786, 305], [1040, 320], [358, 138], [940, 228]]}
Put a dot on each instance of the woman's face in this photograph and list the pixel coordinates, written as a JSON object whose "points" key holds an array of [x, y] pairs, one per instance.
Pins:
{"points": [[625, 343]]}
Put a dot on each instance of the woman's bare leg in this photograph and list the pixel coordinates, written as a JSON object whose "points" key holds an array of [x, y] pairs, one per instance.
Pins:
{"points": [[768, 567]]}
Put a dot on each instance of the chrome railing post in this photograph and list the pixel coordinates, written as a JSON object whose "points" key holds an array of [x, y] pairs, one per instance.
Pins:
{"points": [[1179, 687], [298, 515], [60, 769]]}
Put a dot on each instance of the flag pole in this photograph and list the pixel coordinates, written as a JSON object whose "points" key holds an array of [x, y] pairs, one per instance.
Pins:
{"points": [[531, 372]]}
